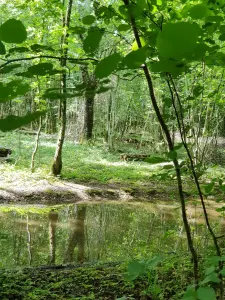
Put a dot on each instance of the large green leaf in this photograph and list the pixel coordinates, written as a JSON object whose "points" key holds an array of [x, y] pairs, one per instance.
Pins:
{"points": [[2, 49], [136, 58], [41, 69], [107, 65], [123, 27], [178, 40], [14, 122], [13, 31], [91, 42], [88, 20], [198, 11], [206, 293], [167, 65], [135, 269], [19, 50], [9, 68]]}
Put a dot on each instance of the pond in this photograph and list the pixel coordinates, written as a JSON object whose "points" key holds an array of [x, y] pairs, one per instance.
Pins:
{"points": [[91, 232]]}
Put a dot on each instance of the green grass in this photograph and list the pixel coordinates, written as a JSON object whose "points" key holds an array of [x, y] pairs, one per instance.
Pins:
{"points": [[85, 163], [94, 164]]}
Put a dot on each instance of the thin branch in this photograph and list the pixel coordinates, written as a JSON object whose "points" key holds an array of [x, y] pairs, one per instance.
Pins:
{"points": [[47, 56]]}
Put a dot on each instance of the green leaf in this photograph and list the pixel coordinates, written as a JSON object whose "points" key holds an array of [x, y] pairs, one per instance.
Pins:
{"points": [[178, 40], [190, 294], [215, 259], [107, 65], [142, 4], [39, 48], [41, 69], [213, 277], [172, 155], [13, 31], [222, 37], [14, 122], [2, 49], [136, 58], [135, 45], [78, 30], [209, 270], [197, 90], [135, 269], [123, 27], [9, 68], [91, 42], [206, 293], [153, 262], [198, 11], [13, 89], [214, 19], [168, 167], [167, 65], [88, 20], [209, 187], [18, 50]]}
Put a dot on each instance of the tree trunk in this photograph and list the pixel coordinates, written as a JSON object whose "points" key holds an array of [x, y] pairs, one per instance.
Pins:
{"points": [[36, 145], [57, 162], [89, 117]]}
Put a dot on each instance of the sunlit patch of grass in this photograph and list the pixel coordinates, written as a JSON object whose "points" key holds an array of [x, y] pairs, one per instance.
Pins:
{"points": [[86, 163]]}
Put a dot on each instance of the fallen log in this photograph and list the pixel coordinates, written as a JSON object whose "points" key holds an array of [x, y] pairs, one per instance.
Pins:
{"points": [[133, 157]]}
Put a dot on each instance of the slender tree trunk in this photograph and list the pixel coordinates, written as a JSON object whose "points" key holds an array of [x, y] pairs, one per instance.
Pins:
{"points": [[36, 145], [57, 162], [170, 146], [89, 117]]}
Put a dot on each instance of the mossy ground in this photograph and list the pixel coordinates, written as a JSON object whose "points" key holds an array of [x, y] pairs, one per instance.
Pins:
{"points": [[100, 282], [90, 282]]}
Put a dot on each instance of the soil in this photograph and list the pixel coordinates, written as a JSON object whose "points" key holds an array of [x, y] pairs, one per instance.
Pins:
{"points": [[32, 188]]}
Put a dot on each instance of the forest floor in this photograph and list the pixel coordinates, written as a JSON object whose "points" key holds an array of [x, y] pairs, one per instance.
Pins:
{"points": [[87, 282], [24, 187]]}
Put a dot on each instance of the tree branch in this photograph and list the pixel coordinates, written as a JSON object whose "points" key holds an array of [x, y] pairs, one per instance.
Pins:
{"points": [[47, 56]]}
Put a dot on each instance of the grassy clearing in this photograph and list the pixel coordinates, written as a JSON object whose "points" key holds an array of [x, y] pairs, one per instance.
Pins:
{"points": [[94, 164], [86, 163]]}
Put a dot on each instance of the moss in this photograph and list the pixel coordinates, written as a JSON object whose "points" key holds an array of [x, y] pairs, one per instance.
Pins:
{"points": [[88, 282]]}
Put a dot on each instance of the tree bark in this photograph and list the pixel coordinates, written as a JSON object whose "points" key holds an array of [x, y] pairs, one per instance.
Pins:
{"points": [[57, 162], [36, 145], [169, 143]]}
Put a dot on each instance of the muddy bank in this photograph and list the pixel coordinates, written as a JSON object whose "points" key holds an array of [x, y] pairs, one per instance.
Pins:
{"points": [[31, 188]]}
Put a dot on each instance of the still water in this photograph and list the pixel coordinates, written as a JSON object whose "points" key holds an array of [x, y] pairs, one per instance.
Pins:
{"points": [[32, 236]]}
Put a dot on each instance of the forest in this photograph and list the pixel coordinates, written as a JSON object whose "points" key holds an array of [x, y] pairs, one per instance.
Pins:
{"points": [[112, 149]]}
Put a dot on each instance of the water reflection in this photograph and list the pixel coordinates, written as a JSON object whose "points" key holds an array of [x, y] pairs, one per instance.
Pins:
{"points": [[94, 232]]}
